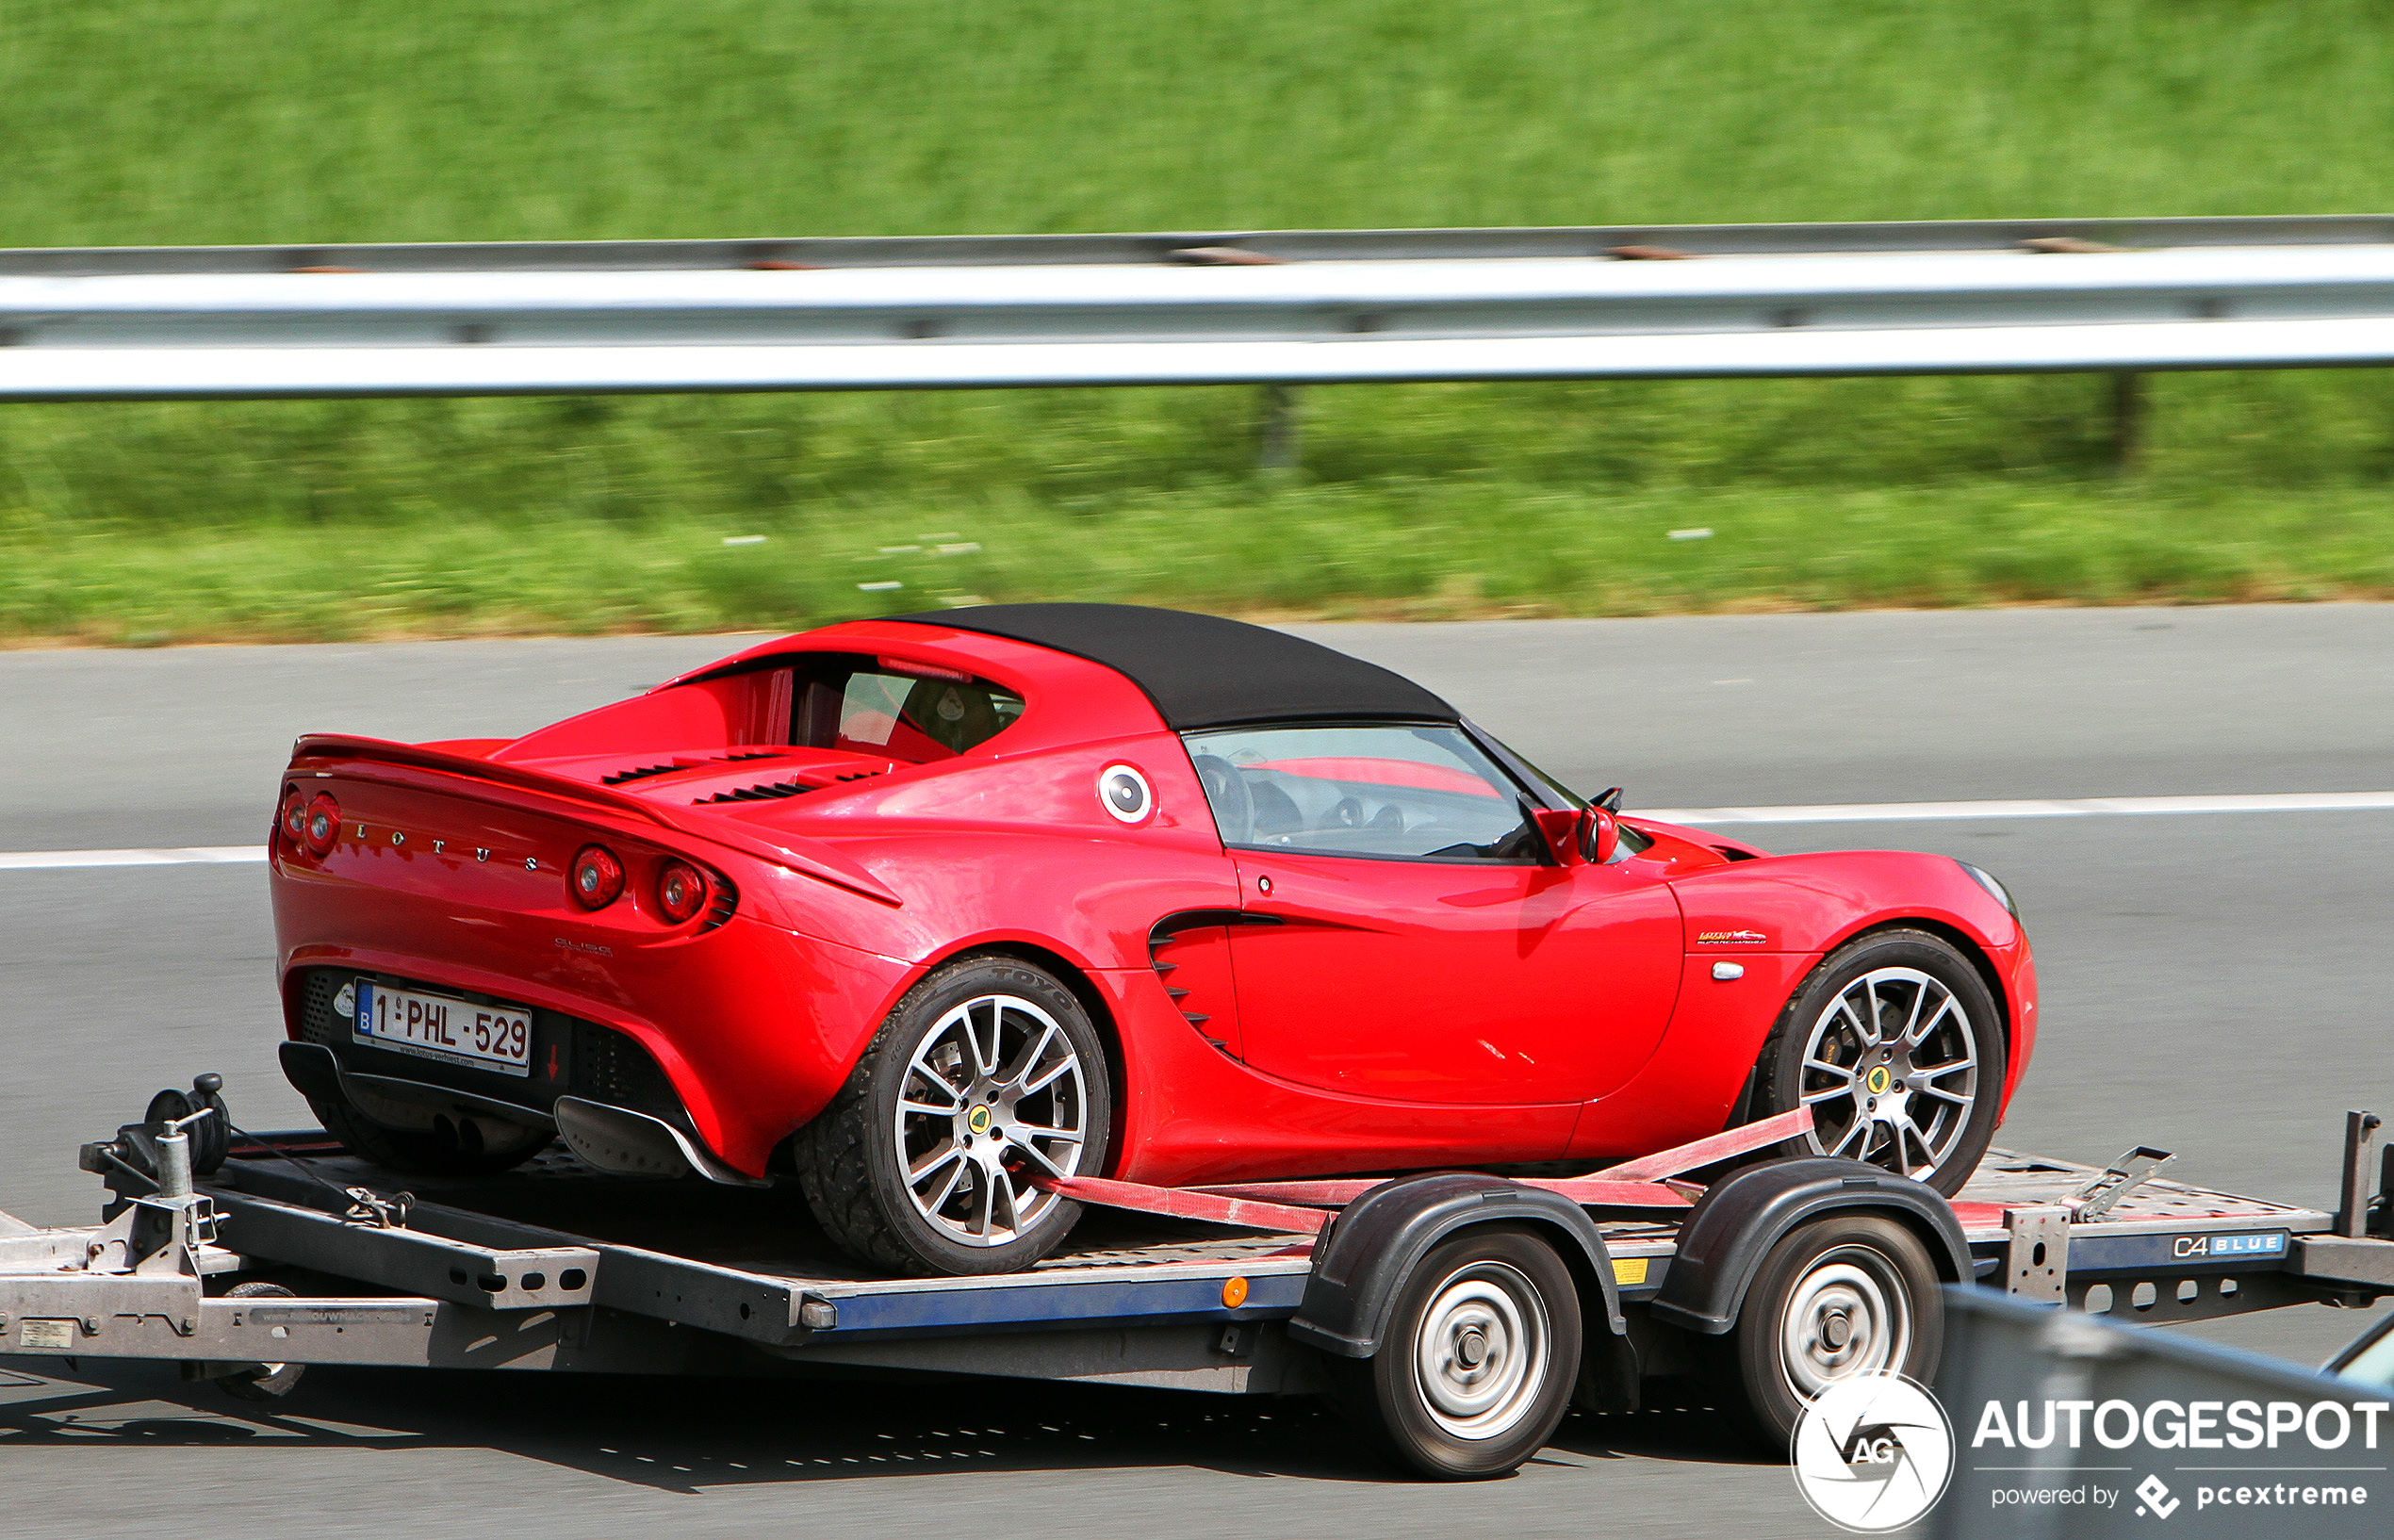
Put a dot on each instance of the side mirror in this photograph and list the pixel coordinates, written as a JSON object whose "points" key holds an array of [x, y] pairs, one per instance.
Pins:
{"points": [[1600, 835], [1579, 836]]}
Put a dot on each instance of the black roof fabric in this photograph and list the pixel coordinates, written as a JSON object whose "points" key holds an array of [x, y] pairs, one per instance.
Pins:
{"points": [[1202, 671]]}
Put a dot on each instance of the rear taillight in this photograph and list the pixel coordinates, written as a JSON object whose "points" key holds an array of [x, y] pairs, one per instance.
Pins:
{"points": [[322, 828], [596, 877], [292, 820], [682, 891]]}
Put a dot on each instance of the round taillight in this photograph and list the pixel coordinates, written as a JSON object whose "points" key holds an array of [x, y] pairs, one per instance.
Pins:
{"points": [[292, 819], [322, 828], [596, 877], [682, 891]]}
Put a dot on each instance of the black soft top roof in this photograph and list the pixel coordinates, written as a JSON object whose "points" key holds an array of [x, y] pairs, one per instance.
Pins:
{"points": [[1202, 671]]}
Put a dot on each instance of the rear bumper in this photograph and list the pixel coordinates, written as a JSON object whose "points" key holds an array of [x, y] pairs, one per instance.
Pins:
{"points": [[736, 1038], [570, 1056]]}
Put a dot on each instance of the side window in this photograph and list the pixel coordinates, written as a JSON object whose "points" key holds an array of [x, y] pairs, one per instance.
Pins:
{"points": [[1410, 792], [886, 706]]}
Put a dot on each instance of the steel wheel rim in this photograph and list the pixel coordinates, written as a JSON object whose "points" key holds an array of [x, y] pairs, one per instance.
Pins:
{"points": [[1848, 1314], [995, 1097], [1891, 1072], [1479, 1354]]}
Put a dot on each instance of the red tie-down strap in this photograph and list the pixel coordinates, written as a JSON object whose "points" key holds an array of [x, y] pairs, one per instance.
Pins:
{"points": [[1267, 1205]]}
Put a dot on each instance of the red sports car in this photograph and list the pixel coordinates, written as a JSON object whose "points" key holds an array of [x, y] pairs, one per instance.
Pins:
{"points": [[921, 912]]}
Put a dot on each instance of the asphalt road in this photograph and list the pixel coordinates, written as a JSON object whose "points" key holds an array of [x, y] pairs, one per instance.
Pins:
{"points": [[2212, 985]]}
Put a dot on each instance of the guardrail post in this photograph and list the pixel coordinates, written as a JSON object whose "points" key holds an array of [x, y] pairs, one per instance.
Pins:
{"points": [[2127, 422], [1276, 446]]}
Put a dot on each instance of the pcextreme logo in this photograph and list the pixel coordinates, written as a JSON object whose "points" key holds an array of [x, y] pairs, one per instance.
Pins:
{"points": [[1874, 1453]]}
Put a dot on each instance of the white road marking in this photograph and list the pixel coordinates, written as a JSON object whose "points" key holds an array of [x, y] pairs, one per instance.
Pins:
{"points": [[1896, 813], [56, 861], [1831, 812]]}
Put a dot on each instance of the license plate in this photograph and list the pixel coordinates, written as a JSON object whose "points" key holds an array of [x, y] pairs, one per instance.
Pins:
{"points": [[440, 1026]]}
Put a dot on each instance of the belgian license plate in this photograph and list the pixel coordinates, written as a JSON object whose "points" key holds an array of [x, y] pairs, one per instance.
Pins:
{"points": [[437, 1026]]}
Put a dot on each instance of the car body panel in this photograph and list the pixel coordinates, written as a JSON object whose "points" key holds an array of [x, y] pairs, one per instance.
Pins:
{"points": [[1453, 983]]}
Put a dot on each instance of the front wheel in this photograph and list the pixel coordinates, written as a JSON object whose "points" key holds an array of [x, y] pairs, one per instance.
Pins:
{"points": [[1895, 1044], [985, 1082], [1478, 1362]]}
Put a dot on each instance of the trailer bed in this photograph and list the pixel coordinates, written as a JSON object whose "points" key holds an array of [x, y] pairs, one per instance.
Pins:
{"points": [[558, 1266]]}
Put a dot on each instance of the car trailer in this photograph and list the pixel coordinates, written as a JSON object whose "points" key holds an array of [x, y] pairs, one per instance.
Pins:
{"points": [[1455, 1314]]}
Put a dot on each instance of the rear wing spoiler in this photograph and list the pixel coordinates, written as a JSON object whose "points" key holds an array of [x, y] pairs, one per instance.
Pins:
{"points": [[811, 856]]}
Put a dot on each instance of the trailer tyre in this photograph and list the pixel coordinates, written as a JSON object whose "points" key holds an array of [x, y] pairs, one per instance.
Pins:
{"points": [[986, 1079], [1476, 1363], [1836, 1297], [261, 1382]]}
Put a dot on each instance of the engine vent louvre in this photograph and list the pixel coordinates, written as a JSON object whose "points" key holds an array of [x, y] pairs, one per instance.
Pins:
{"points": [[769, 792], [723, 900], [639, 771]]}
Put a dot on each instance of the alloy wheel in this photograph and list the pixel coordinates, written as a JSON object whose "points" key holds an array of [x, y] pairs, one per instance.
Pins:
{"points": [[1891, 1072], [995, 1099]]}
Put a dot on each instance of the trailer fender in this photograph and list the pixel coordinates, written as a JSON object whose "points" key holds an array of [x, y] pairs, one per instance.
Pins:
{"points": [[1740, 1218], [1376, 1241]]}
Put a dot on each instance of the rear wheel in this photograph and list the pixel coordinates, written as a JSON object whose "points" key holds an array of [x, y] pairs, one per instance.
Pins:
{"points": [[1834, 1298], [1895, 1044], [425, 1141], [987, 1080], [1478, 1362]]}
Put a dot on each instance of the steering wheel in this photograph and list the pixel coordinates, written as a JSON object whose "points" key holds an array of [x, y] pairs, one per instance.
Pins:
{"points": [[1226, 790]]}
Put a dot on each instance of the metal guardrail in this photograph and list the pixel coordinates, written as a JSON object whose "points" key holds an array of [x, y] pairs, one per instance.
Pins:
{"points": [[2070, 1428], [1277, 308]]}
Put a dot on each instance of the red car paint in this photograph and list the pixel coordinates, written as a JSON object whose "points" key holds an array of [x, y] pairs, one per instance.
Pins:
{"points": [[1401, 1014]]}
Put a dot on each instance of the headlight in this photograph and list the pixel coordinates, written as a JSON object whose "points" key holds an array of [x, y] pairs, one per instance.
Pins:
{"points": [[1994, 890]]}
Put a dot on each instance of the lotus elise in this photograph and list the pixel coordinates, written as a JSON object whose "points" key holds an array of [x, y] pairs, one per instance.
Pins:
{"points": [[922, 913]]}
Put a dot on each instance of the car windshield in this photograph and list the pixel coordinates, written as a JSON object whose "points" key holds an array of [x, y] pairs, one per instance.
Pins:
{"points": [[886, 706]]}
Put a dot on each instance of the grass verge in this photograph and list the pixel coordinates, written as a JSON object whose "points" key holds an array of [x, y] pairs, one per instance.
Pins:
{"points": [[1395, 548]]}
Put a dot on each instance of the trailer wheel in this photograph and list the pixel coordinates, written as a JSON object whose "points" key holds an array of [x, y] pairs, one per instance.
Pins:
{"points": [[1478, 1361], [261, 1382], [1836, 1297]]}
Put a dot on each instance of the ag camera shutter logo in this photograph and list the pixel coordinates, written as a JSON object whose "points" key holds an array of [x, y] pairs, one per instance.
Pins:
{"points": [[1874, 1453]]}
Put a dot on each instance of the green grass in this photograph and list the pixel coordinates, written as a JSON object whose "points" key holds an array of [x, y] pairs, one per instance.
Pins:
{"points": [[201, 121]]}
